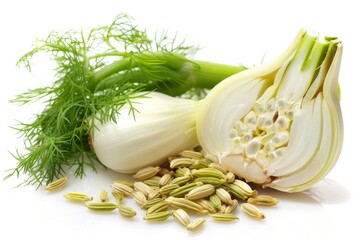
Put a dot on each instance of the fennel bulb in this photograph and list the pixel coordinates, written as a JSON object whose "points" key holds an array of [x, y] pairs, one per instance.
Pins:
{"points": [[162, 126], [279, 124]]}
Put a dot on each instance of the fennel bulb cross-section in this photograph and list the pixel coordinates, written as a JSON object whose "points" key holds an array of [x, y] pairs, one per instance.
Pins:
{"points": [[279, 124], [162, 126]]}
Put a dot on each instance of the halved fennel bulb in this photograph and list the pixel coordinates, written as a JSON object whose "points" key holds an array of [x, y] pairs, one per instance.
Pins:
{"points": [[279, 124], [162, 126]]}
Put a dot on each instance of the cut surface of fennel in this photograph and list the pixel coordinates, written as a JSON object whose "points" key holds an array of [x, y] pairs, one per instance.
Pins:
{"points": [[161, 127], [279, 124]]}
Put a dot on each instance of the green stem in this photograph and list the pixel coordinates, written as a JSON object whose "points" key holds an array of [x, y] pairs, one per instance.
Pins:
{"points": [[198, 74], [209, 74]]}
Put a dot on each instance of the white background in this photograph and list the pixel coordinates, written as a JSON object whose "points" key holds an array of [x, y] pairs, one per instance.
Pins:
{"points": [[230, 32]]}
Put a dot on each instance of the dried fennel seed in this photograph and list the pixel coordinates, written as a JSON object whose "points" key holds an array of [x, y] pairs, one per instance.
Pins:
{"points": [[181, 180], [252, 211], [263, 200], [57, 184], [236, 191], [182, 217], [191, 154], [149, 203], [139, 198], [122, 188], [200, 192], [126, 211], [208, 172], [222, 217], [146, 173], [216, 182], [196, 224], [101, 206], [118, 196], [142, 187], [245, 188], [78, 197], [183, 190], [167, 189], [181, 162], [152, 182], [103, 195], [224, 196], [158, 216], [215, 201], [182, 203], [165, 179], [159, 207]]}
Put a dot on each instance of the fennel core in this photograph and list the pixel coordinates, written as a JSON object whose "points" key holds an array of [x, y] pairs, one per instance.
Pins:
{"points": [[98, 71]]}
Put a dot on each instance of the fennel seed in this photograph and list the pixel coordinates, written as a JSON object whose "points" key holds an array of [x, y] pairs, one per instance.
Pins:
{"points": [[215, 201], [118, 196], [231, 208], [78, 197], [208, 172], [158, 216], [165, 190], [183, 190], [57, 184], [103, 195], [252, 211], [182, 217], [191, 154], [149, 203], [196, 224], [146, 173], [181, 162], [216, 182], [181, 180], [159, 207], [126, 211], [122, 188], [182, 203], [263, 200], [139, 198], [224, 217], [142, 187], [224, 196], [200, 192], [165, 179], [245, 188], [101, 206]]}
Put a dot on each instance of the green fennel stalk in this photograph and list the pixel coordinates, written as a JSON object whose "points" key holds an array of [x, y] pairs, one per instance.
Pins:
{"points": [[97, 72]]}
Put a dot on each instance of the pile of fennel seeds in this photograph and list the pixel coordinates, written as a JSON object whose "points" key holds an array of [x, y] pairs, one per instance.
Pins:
{"points": [[190, 184]]}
